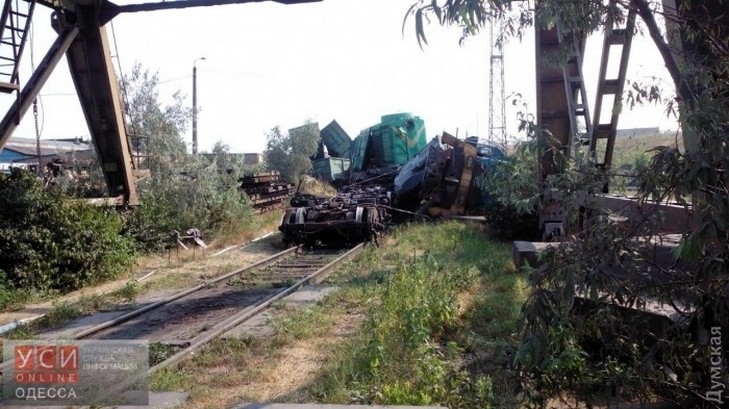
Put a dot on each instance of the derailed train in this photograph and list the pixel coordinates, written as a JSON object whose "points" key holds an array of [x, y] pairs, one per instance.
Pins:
{"points": [[399, 182]]}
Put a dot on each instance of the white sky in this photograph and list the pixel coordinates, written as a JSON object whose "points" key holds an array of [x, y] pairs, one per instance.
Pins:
{"points": [[268, 64]]}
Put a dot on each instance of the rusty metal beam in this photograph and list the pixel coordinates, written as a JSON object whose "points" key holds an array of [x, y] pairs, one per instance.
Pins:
{"points": [[89, 60], [109, 10], [553, 116], [35, 83]]}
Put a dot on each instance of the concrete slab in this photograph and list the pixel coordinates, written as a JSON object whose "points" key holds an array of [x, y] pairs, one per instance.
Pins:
{"points": [[320, 406], [527, 252], [308, 295], [157, 400], [257, 326], [162, 400], [672, 218]]}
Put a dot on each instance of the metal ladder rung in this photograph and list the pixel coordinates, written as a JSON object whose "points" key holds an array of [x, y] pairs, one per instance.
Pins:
{"points": [[8, 87], [603, 131], [610, 86], [555, 114], [575, 79], [617, 37]]}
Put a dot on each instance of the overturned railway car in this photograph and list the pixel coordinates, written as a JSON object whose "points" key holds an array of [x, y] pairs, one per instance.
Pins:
{"points": [[353, 216]]}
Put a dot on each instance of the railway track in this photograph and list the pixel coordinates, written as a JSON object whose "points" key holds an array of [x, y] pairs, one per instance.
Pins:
{"points": [[219, 305]]}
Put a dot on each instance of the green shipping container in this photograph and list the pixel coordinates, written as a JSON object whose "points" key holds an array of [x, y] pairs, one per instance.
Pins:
{"points": [[338, 143], [331, 169]]}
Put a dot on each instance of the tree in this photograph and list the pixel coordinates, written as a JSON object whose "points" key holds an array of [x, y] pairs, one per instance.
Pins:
{"points": [[290, 154], [155, 129], [183, 191], [630, 358]]}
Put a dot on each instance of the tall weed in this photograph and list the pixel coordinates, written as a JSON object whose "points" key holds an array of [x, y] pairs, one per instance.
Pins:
{"points": [[400, 359]]}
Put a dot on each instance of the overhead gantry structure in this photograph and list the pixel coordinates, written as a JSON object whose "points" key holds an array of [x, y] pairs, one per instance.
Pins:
{"points": [[563, 112], [563, 109], [82, 39]]}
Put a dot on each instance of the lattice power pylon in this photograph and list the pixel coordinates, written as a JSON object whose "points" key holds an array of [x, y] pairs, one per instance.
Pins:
{"points": [[497, 96]]}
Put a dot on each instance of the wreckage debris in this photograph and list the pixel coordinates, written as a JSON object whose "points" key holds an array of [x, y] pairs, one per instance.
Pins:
{"points": [[388, 173], [355, 215]]}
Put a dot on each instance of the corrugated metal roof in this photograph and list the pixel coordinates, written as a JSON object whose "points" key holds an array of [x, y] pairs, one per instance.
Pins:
{"points": [[59, 144], [85, 155], [27, 146]]}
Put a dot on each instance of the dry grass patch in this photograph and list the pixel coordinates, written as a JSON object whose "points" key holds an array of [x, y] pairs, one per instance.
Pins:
{"points": [[254, 371], [316, 187]]}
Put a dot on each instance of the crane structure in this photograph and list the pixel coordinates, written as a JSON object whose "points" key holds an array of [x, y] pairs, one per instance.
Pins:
{"points": [[563, 110], [83, 40]]}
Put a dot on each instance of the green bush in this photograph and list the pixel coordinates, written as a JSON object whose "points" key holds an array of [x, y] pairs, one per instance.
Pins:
{"points": [[191, 194], [50, 242]]}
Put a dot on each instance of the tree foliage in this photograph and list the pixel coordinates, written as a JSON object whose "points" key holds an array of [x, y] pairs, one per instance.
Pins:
{"points": [[290, 153], [184, 191], [156, 129], [587, 344], [50, 242]]}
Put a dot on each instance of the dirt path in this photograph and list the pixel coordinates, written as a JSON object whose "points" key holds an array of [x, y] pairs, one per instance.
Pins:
{"points": [[281, 375]]}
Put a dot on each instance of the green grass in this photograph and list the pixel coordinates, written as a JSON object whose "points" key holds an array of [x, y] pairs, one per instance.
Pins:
{"points": [[301, 323], [129, 292], [167, 379], [627, 148], [419, 345], [632, 153]]}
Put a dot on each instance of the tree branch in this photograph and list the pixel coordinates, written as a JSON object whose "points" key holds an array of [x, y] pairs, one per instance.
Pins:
{"points": [[645, 12]]}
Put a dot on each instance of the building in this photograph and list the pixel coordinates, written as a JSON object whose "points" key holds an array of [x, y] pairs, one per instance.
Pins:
{"points": [[247, 158], [253, 158], [638, 132], [23, 152]]}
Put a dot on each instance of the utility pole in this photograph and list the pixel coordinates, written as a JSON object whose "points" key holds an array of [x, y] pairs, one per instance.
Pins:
{"points": [[194, 105]]}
